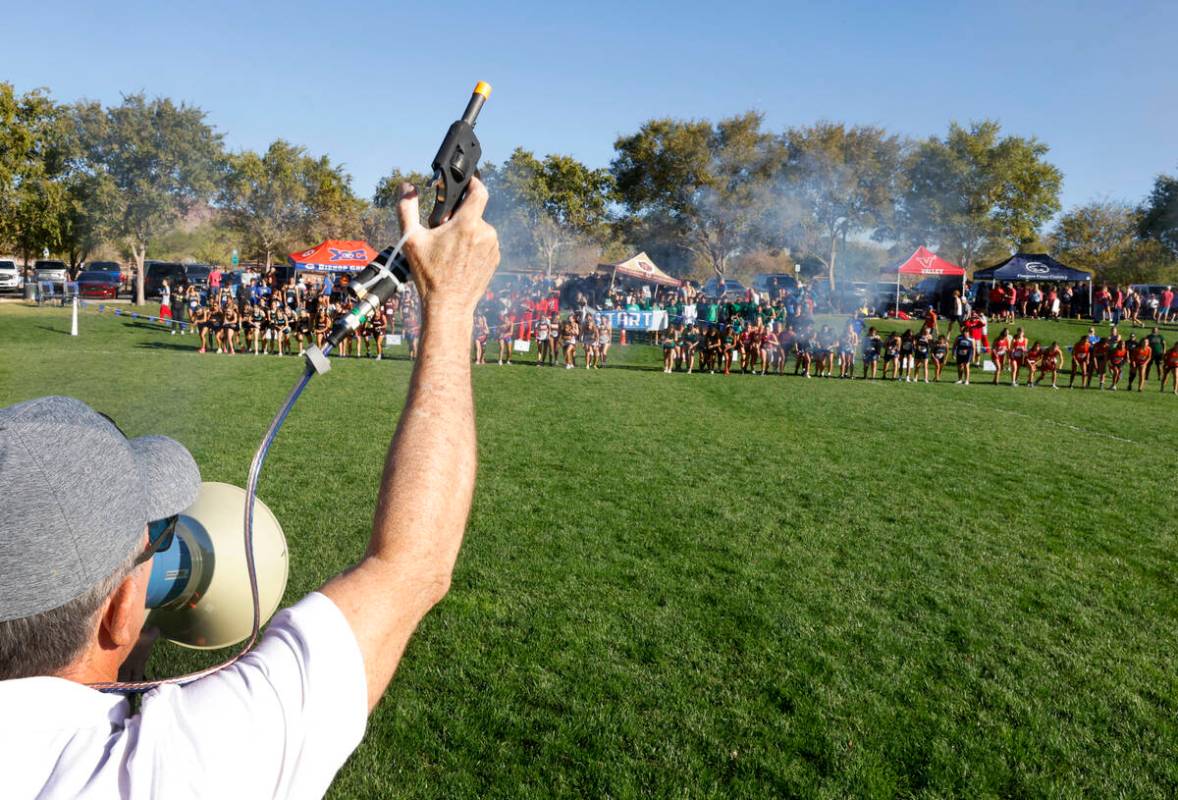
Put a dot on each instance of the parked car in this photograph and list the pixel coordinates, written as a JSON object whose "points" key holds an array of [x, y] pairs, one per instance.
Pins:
{"points": [[101, 284], [730, 287], [157, 272], [104, 266], [198, 274], [55, 272], [11, 278], [772, 282]]}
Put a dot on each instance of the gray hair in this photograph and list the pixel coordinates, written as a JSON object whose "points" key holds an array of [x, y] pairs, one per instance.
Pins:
{"points": [[47, 643]]}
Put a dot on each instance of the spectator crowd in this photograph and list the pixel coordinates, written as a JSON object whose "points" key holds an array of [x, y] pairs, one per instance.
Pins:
{"points": [[760, 333]]}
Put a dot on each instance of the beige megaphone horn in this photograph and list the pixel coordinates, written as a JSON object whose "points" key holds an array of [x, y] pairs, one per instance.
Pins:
{"points": [[199, 591]]}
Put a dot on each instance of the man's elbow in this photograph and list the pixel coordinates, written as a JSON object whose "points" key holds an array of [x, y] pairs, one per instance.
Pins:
{"points": [[436, 589]]}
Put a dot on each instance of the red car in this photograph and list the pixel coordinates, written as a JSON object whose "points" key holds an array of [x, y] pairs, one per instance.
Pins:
{"points": [[99, 284]]}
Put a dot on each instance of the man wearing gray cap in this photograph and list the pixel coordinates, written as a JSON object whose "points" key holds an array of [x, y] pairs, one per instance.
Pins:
{"points": [[79, 525]]}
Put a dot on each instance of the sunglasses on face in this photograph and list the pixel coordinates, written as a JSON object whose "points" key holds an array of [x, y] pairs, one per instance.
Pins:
{"points": [[160, 534]]}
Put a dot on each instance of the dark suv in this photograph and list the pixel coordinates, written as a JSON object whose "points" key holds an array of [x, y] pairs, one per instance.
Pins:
{"points": [[157, 271]]}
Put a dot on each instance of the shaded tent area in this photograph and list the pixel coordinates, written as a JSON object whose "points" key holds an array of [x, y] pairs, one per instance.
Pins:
{"points": [[926, 263], [334, 255], [639, 267], [1034, 267]]}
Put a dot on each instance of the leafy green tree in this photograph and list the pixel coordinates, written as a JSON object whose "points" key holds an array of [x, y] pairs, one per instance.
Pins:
{"points": [[283, 198], [388, 195], [974, 189], [35, 159], [541, 206], [156, 160], [1103, 237], [1158, 218], [700, 185], [838, 182], [334, 208]]}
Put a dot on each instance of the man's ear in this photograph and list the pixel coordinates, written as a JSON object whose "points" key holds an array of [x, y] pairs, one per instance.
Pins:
{"points": [[123, 616]]}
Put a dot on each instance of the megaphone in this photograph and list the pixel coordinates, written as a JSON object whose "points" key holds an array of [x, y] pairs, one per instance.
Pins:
{"points": [[199, 590]]}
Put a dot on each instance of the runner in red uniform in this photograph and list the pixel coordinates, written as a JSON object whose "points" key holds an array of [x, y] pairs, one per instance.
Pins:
{"points": [[1052, 358], [1018, 354], [481, 331], [1140, 358], [1171, 367], [1082, 361], [1000, 354], [1117, 357], [1100, 359], [1033, 358]]}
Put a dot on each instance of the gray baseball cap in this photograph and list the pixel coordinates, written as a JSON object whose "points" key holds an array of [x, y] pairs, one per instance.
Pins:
{"points": [[78, 495]]}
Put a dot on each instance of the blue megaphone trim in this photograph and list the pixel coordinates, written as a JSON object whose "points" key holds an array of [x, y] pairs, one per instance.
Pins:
{"points": [[170, 573]]}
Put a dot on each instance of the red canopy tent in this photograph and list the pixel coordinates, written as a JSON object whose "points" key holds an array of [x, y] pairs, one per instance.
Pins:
{"points": [[334, 255], [926, 262]]}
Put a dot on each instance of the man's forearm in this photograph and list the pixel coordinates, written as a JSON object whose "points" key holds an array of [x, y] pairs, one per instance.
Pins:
{"points": [[430, 469], [423, 504]]}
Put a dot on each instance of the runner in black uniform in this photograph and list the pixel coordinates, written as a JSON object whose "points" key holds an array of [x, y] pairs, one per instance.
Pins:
{"points": [[940, 355], [302, 329], [1157, 347], [963, 352], [921, 349], [322, 323], [803, 348], [216, 322], [258, 324], [203, 319], [280, 325], [907, 351], [230, 322], [379, 328], [891, 353], [872, 345]]}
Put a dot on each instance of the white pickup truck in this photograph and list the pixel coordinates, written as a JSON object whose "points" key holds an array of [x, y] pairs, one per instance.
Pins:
{"points": [[11, 279], [54, 272]]}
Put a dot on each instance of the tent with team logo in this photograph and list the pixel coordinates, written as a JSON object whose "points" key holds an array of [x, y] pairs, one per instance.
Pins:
{"points": [[926, 262], [334, 255], [1034, 267]]}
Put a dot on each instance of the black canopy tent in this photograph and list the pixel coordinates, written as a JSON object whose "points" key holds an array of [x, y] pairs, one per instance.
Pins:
{"points": [[1034, 267]]}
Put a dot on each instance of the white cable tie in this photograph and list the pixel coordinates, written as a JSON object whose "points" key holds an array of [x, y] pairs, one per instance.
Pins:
{"points": [[383, 272]]}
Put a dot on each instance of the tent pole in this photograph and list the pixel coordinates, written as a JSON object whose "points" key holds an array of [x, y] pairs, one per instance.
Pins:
{"points": [[897, 294]]}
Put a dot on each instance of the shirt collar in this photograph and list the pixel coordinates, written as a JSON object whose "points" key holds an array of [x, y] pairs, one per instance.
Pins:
{"points": [[48, 703]]}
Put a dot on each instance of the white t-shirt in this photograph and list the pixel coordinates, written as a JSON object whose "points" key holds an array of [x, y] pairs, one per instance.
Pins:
{"points": [[279, 723]]}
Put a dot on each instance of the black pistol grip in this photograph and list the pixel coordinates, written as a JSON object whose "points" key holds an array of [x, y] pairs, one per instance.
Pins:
{"points": [[456, 162]]}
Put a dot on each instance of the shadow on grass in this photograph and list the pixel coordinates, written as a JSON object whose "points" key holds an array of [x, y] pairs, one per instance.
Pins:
{"points": [[53, 330], [169, 345]]}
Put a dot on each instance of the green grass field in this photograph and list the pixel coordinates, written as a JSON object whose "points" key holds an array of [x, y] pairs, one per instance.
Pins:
{"points": [[695, 586]]}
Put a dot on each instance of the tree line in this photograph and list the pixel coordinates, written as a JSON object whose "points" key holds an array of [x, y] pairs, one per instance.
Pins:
{"points": [[150, 176]]}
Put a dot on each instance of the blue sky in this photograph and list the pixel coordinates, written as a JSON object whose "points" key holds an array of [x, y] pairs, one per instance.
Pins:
{"points": [[374, 84]]}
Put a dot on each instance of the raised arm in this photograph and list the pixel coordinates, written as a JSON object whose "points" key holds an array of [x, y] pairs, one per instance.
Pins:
{"points": [[429, 472]]}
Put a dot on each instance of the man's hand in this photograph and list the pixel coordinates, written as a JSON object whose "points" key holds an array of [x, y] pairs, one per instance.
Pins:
{"points": [[452, 263]]}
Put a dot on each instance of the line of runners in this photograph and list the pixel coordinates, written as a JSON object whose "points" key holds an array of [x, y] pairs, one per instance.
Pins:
{"points": [[757, 348], [907, 355], [278, 326]]}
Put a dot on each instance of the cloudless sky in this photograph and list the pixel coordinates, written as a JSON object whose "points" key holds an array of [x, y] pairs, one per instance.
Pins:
{"points": [[375, 84]]}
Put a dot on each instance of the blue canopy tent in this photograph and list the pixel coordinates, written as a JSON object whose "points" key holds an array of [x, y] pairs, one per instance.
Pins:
{"points": [[1034, 267]]}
